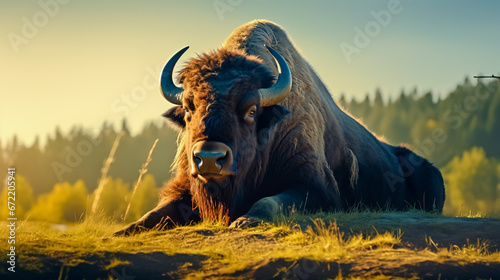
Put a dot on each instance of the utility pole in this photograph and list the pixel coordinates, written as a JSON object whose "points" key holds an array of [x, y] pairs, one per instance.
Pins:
{"points": [[492, 76]]}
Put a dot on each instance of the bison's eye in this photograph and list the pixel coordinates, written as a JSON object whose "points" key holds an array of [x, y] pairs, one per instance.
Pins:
{"points": [[250, 114], [187, 113]]}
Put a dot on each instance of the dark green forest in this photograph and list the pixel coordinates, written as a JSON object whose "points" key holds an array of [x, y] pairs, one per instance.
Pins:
{"points": [[468, 117], [459, 133]]}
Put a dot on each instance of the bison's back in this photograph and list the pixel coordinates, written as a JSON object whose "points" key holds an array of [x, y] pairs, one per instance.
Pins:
{"points": [[338, 144]]}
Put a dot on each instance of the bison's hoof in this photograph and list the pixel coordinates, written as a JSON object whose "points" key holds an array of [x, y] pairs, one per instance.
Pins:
{"points": [[130, 230], [245, 222]]}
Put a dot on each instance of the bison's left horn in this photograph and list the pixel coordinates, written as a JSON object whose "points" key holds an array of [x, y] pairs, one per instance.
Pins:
{"points": [[275, 94], [171, 92]]}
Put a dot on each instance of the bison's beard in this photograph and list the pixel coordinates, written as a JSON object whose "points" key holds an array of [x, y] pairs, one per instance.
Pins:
{"points": [[213, 199]]}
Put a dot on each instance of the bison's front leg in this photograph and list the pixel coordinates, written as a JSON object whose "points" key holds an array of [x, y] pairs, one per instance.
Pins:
{"points": [[267, 207], [165, 215], [318, 191]]}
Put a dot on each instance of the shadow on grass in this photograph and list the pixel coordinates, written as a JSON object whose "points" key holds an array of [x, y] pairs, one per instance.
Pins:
{"points": [[153, 265]]}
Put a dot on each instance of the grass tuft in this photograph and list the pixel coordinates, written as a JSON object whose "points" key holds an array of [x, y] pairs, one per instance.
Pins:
{"points": [[104, 173]]}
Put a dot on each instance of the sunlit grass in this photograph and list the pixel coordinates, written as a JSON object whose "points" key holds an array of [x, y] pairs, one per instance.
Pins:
{"points": [[320, 237]]}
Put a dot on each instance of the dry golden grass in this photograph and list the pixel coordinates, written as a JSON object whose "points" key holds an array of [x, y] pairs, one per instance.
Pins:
{"points": [[104, 173]]}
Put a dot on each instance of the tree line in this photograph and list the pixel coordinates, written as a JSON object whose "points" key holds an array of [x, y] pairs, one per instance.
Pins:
{"points": [[79, 155]]}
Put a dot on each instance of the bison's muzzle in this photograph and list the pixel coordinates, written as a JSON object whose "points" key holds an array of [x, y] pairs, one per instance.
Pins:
{"points": [[211, 160]]}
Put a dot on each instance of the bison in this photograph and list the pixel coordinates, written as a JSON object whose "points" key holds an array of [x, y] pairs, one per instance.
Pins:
{"points": [[260, 134]]}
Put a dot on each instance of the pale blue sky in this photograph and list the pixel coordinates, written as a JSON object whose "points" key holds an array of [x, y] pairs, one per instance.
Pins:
{"points": [[84, 61]]}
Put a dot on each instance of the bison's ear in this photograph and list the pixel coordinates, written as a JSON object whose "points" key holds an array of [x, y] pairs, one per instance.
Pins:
{"points": [[176, 117], [271, 116]]}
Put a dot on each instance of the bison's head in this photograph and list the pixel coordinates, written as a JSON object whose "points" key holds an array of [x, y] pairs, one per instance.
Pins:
{"points": [[226, 108]]}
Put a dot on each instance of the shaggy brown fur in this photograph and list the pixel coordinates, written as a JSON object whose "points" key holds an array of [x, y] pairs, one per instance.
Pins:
{"points": [[304, 152], [213, 84]]}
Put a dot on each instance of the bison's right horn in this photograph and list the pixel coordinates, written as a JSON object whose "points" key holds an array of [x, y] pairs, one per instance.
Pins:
{"points": [[171, 92], [275, 94]]}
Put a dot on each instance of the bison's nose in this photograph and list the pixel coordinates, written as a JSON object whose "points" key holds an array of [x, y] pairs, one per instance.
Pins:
{"points": [[211, 158]]}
